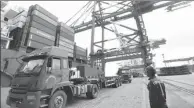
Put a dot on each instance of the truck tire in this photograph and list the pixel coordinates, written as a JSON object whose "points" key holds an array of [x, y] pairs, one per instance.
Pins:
{"points": [[93, 93], [129, 81], [120, 83], [58, 100], [116, 84]]}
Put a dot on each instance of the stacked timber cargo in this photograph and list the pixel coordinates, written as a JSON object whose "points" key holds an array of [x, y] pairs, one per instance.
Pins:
{"points": [[176, 70], [40, 30], [65, 36]]}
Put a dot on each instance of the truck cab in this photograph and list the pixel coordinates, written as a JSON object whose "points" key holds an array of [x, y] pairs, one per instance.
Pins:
{"points": [[39, 75], [126, 77], [43, 80]]}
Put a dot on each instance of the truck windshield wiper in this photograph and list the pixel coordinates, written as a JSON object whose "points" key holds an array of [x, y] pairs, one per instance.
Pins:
{"points": [[22, 73]]}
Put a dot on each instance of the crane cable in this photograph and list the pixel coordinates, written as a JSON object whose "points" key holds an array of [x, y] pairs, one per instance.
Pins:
{"points": [[78, 12], [90, 11], [87, 9]]}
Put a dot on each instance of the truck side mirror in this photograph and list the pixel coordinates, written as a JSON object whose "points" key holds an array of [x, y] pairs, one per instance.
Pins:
{"points": [[49, 65], [72, 73]]}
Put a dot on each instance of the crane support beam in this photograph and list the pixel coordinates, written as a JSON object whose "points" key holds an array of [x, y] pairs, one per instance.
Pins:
{"points": [[114, 38], [126, 51], [123, 58], [132, 67]]}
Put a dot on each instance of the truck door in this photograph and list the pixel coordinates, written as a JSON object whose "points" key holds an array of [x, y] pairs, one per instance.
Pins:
{"points": [[65, 69], [54, 72], [56, 69]]}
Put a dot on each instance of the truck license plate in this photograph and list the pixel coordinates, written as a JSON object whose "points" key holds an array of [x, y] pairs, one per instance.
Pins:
{"points": [[13, 105]]}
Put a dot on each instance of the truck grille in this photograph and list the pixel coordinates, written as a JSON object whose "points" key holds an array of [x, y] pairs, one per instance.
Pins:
{"points": [[18, 91], [20, 86]]}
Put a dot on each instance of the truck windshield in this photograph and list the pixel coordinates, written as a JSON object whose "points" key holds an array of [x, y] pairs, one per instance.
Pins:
{"points": [[32, 65]]}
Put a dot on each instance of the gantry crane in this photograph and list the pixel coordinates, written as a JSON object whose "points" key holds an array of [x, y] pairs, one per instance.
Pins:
{"points": [[107, 12]]}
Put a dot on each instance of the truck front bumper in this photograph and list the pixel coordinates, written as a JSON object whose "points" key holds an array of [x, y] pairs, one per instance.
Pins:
{"points": [[28, 100]]}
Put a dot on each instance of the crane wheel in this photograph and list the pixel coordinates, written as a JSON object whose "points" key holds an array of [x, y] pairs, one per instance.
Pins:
{"points": [[93, 93], [58, 100]]}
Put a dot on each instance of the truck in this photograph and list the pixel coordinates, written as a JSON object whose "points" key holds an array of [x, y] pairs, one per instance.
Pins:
{"points": [[44, 79], [126, 75]]}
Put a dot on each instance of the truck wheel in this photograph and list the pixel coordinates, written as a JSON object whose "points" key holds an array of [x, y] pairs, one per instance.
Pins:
{"points": [[120, 83], [129, 81], [116, 84], [58, 100], [93, 93]]}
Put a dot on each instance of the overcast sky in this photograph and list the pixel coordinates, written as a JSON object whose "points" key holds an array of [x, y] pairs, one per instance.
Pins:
{"points": [[176, 27]]}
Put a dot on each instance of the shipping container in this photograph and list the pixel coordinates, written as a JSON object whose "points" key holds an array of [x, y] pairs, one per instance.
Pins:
{"points": [[66, 27], [66, 44], [66, 40], [175, 70], [43, 22], [42, 34], [43, 28], [87, 71], [65, 31], [80, 51], [37, 45], [42, 10], [40, 39], [67, 36], [40, 28], [67, 49], [41, 15], [81, 57]]}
